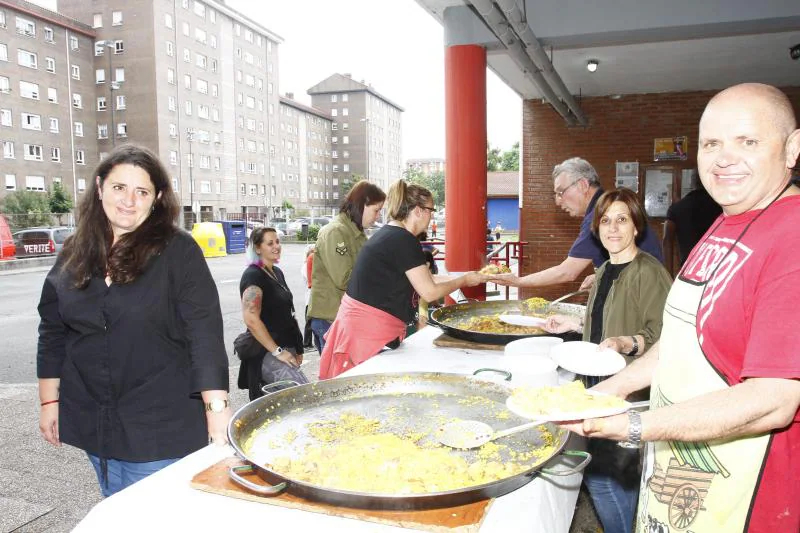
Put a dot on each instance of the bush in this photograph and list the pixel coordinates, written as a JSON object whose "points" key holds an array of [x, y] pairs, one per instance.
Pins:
{"points": [[313, 232]]}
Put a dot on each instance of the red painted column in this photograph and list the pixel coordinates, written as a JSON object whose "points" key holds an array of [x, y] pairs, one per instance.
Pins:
{"points": [[465, 178]]}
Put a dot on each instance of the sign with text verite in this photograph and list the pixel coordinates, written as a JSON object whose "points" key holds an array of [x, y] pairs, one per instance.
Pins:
{"points": [[671, 149]]}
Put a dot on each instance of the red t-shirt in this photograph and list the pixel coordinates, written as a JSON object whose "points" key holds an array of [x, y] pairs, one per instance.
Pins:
{"points": [[748, 325]]}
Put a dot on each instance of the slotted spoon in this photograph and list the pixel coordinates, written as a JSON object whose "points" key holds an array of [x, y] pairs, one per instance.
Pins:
{"points": [[467, 434]]}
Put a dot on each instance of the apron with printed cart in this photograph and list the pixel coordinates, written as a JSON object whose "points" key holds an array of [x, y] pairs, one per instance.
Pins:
{"points": [[699, 487]]}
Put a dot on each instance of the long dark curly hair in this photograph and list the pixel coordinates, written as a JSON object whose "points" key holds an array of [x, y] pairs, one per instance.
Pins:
{"points": [[91, 251]]}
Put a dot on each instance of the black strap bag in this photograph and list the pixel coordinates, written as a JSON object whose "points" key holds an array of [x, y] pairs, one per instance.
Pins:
{"points": [[247, 347]]}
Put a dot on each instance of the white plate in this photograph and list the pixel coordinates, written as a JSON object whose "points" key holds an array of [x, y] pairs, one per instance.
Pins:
{"points": [[522, 320], [584, 358], [566, 416], [532, 346]]}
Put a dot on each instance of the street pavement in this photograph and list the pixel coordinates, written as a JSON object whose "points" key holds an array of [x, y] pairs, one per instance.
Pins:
{"points": [[44, 488]]}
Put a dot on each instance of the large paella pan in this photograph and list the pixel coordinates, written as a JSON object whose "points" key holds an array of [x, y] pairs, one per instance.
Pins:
{"points": [[276, 433], [455, 319]]}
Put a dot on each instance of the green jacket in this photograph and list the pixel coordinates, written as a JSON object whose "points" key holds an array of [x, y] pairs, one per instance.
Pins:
{"points": [[635, 303], [335, 255]]}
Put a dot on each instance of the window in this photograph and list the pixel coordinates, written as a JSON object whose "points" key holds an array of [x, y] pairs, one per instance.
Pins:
{"points": [[52, 95], [187, 82], [27, 89], [344, 97], [173, 157], [97, 20], [213, 41], [217, 166], [201, 61], [173, 131], [50, 64], [3, 52], [79, 129], [119, 74], [202, 86], [214, 90], [334, 98], [172, 104], [119, 47], [80, 157], [102, 131], [205, 162], [77, 101], [251, 102], [171, 76], [212, 15], [81, 184], [345, 140], [101, 103], [200, 35], [116, 18], [34, 183], [32, 152], [252, 189], [185, 4], [31, 122], [6, 118], [188, 107], [27, 59], [53, 125], [73, 43], [100, 75], [215, 114], [76, 72], [187, 56], [26, 27], [242, 189], [55, 154], [213, 65], [122, 129], [2, 19], [121, 102], [202, 111], [345, 112], [11, 182], [200, 9], [185, 27], [8, 149], [346, 167], [167, 20], [334, 112], [170, 48], [334, 140], [205, 186]]}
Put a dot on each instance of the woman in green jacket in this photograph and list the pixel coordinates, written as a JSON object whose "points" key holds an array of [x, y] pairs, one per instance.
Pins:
{"points": [[335, 254], [624, 313]]}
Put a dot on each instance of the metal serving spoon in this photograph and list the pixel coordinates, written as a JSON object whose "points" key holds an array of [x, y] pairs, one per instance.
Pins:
{"points": [[468, 434]]}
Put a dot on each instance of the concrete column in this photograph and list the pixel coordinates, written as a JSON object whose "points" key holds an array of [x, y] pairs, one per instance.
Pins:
{"points": [[465, 182]]}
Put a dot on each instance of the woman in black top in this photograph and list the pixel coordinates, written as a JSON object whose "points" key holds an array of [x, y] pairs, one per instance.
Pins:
{"points": [[131, 362], [268, 310]]}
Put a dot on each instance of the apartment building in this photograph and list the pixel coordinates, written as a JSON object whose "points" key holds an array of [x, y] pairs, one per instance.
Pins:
{"points": [[197, 82], [46, 95], [427, 166], [305, 158], [366, 132]]}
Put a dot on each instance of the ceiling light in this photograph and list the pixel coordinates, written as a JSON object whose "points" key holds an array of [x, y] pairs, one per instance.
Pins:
{"points": [[591, 66]]}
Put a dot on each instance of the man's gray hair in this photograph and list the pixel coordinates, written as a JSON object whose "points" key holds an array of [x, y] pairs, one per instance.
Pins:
{"points": [[577, 168]]}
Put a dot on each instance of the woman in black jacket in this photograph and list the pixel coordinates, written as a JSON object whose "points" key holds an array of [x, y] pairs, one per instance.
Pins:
{"points": [[131, 362], [268, 312]]}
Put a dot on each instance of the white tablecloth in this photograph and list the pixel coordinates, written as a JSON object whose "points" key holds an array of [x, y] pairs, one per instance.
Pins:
{"points": [[165, 501]]}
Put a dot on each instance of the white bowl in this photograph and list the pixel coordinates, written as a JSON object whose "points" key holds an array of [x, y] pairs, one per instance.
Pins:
{"points": [[584, 358], [532, 346]]}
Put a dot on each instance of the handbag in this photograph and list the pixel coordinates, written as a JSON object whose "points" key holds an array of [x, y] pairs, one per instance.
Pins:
{"points": [[274, 370], [247, 347]]}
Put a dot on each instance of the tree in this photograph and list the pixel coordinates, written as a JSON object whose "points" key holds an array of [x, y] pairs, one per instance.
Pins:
{"points": [[493, 158], [510, 159], [434, 182], [347, 183], [287, 205], [29, 209], [59, 201]]}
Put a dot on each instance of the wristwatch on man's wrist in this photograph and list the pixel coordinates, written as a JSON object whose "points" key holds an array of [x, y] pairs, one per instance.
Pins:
{"points": [[217, 405], [277, 352], [635, 348], [634, 430]]}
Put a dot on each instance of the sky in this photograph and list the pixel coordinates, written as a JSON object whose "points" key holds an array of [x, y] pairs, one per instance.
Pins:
{"points": [[394, 45]]}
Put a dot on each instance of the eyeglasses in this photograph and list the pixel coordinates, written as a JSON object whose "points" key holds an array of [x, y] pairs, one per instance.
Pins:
{"points": [[431, 209], [560, 194]]}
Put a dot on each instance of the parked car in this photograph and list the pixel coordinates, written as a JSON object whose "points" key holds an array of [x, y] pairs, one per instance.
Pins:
{"points": [[251, 225], [295, 226], [33, 242], [7, 246]]}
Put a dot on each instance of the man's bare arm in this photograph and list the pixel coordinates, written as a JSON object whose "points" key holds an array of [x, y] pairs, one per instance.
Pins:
{"points": [[568, 270]]}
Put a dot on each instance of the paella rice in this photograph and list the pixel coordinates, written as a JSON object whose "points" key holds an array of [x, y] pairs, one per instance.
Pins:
{"points": [[570, 398]]}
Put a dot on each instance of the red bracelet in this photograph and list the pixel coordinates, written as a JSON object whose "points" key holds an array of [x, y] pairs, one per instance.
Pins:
{"points": [[48, 403]]}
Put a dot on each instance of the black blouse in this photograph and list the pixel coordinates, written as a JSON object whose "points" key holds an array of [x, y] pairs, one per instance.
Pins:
{"points": [[133, 358]]}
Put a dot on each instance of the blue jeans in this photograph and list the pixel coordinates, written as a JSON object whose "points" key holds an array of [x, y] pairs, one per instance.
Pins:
{"points": [[123, 474], [613, 482], [320, 328]]}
